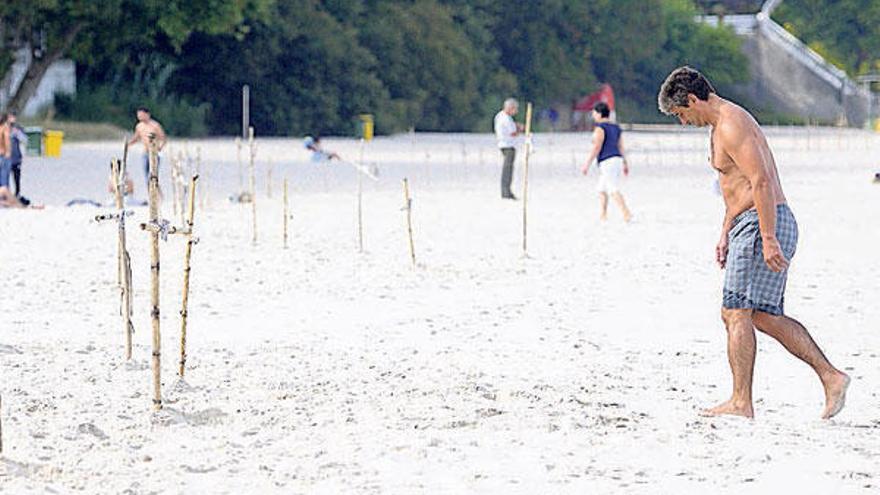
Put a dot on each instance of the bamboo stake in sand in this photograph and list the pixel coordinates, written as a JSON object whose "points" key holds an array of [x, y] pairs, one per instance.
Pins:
{"points": [[253, 154], [269, 180], [360, 201], [525, 193], [154, 271], [186, 270], [408, 206], [1, 425], [240, 165], [285, 213], [124, 259], [204, 175]]}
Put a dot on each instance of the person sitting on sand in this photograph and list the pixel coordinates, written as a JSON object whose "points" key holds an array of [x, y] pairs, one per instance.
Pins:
{"points": [[129, 184], [319, 155], [9, 200]]}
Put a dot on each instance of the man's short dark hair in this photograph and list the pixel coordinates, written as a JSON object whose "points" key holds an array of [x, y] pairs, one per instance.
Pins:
{"points": [[143, 109], [681, 82], [603, 109]]}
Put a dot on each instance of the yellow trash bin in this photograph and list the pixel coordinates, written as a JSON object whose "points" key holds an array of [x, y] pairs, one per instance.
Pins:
{"points": [[366, 126], [52, 143]]}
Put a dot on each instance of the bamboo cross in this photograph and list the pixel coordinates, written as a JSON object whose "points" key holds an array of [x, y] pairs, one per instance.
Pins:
{"points": [[123, 259], [407, 205], [155, 231], [525, 193]]}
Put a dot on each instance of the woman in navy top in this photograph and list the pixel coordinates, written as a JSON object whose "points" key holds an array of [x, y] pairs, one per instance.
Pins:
{"points": [[608, 149]]}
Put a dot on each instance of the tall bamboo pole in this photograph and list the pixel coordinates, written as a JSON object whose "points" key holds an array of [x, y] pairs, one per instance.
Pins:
{"points": [[408, 205], [253, 154], [269, 179], [360, 201], [204, 175], [286, 215], [154, 270], [122, 254], [525, 193], [175, 175], [186, 270], [1, 425], [240, 165]]}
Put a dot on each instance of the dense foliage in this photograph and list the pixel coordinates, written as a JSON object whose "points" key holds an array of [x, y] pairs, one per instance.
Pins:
{"points": [[432, 65], [845, 32]]}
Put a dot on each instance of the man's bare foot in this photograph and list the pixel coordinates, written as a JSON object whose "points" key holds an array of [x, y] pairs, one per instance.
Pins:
{"points": [[835, 394], [603, 217], [730, 408], [627, 217]]}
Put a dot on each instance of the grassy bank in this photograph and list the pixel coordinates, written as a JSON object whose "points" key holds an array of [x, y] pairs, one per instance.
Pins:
{"points": [[79, 131]]}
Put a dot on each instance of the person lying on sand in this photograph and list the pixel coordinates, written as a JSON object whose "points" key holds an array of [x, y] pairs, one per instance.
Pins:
{"points": [[319, 155]]}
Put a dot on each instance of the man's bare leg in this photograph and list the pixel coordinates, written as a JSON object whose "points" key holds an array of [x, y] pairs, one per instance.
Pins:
{"points": [[797, 340], [603, 203], [741, 356], [618, 198]]}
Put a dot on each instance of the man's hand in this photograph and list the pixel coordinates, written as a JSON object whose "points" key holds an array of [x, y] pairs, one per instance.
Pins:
{"points": [[625, 167], [721, 252], [773, 255], [585, 168]]}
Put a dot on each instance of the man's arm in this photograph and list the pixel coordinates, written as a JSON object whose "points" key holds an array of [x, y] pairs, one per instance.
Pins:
{"points": [[740, 144], [136, 136], [598, 139], [721, 247], [161, 139]]}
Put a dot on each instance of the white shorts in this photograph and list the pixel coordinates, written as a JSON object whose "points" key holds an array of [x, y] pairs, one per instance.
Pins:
{"points": [[610, 172]]}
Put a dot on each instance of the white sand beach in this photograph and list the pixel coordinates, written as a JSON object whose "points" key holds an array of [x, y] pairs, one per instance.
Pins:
{"points": [[321, 370]]}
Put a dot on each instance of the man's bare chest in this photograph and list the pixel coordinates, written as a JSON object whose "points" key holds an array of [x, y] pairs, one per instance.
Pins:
{"points": [[718, 158]]}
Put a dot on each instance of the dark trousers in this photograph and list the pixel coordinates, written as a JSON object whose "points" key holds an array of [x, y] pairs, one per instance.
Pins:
{"points": [[507, 171], [16, 177]]}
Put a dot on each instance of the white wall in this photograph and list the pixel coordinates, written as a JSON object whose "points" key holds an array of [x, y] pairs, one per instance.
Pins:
{"points": [[59, 78]]}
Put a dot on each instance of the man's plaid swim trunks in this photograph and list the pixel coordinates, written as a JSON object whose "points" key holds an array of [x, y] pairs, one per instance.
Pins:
{"points": [[748, 281]]}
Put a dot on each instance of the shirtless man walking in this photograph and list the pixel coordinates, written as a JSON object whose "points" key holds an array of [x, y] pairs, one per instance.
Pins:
{"points": [[146, 127], [758, 240]]}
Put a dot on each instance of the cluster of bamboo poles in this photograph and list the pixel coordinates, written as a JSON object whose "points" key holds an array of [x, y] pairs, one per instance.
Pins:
{"points": [[157, 228]]}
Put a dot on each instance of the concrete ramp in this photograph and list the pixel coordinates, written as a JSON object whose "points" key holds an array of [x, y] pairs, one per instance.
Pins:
{"points": [[790, 79]]}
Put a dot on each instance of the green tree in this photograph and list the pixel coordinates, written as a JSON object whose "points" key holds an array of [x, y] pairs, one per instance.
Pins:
{"points": [[56, 28], [846, 32]]}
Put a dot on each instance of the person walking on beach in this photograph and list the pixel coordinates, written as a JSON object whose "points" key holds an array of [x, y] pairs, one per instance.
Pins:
{"points": [[758, 240], [17, 137], [506, 131], [612, 162], [5, 150], [148, 127]]}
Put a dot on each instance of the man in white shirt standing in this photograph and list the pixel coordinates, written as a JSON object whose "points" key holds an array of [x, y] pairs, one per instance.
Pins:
{"points": [[506, 131]]}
